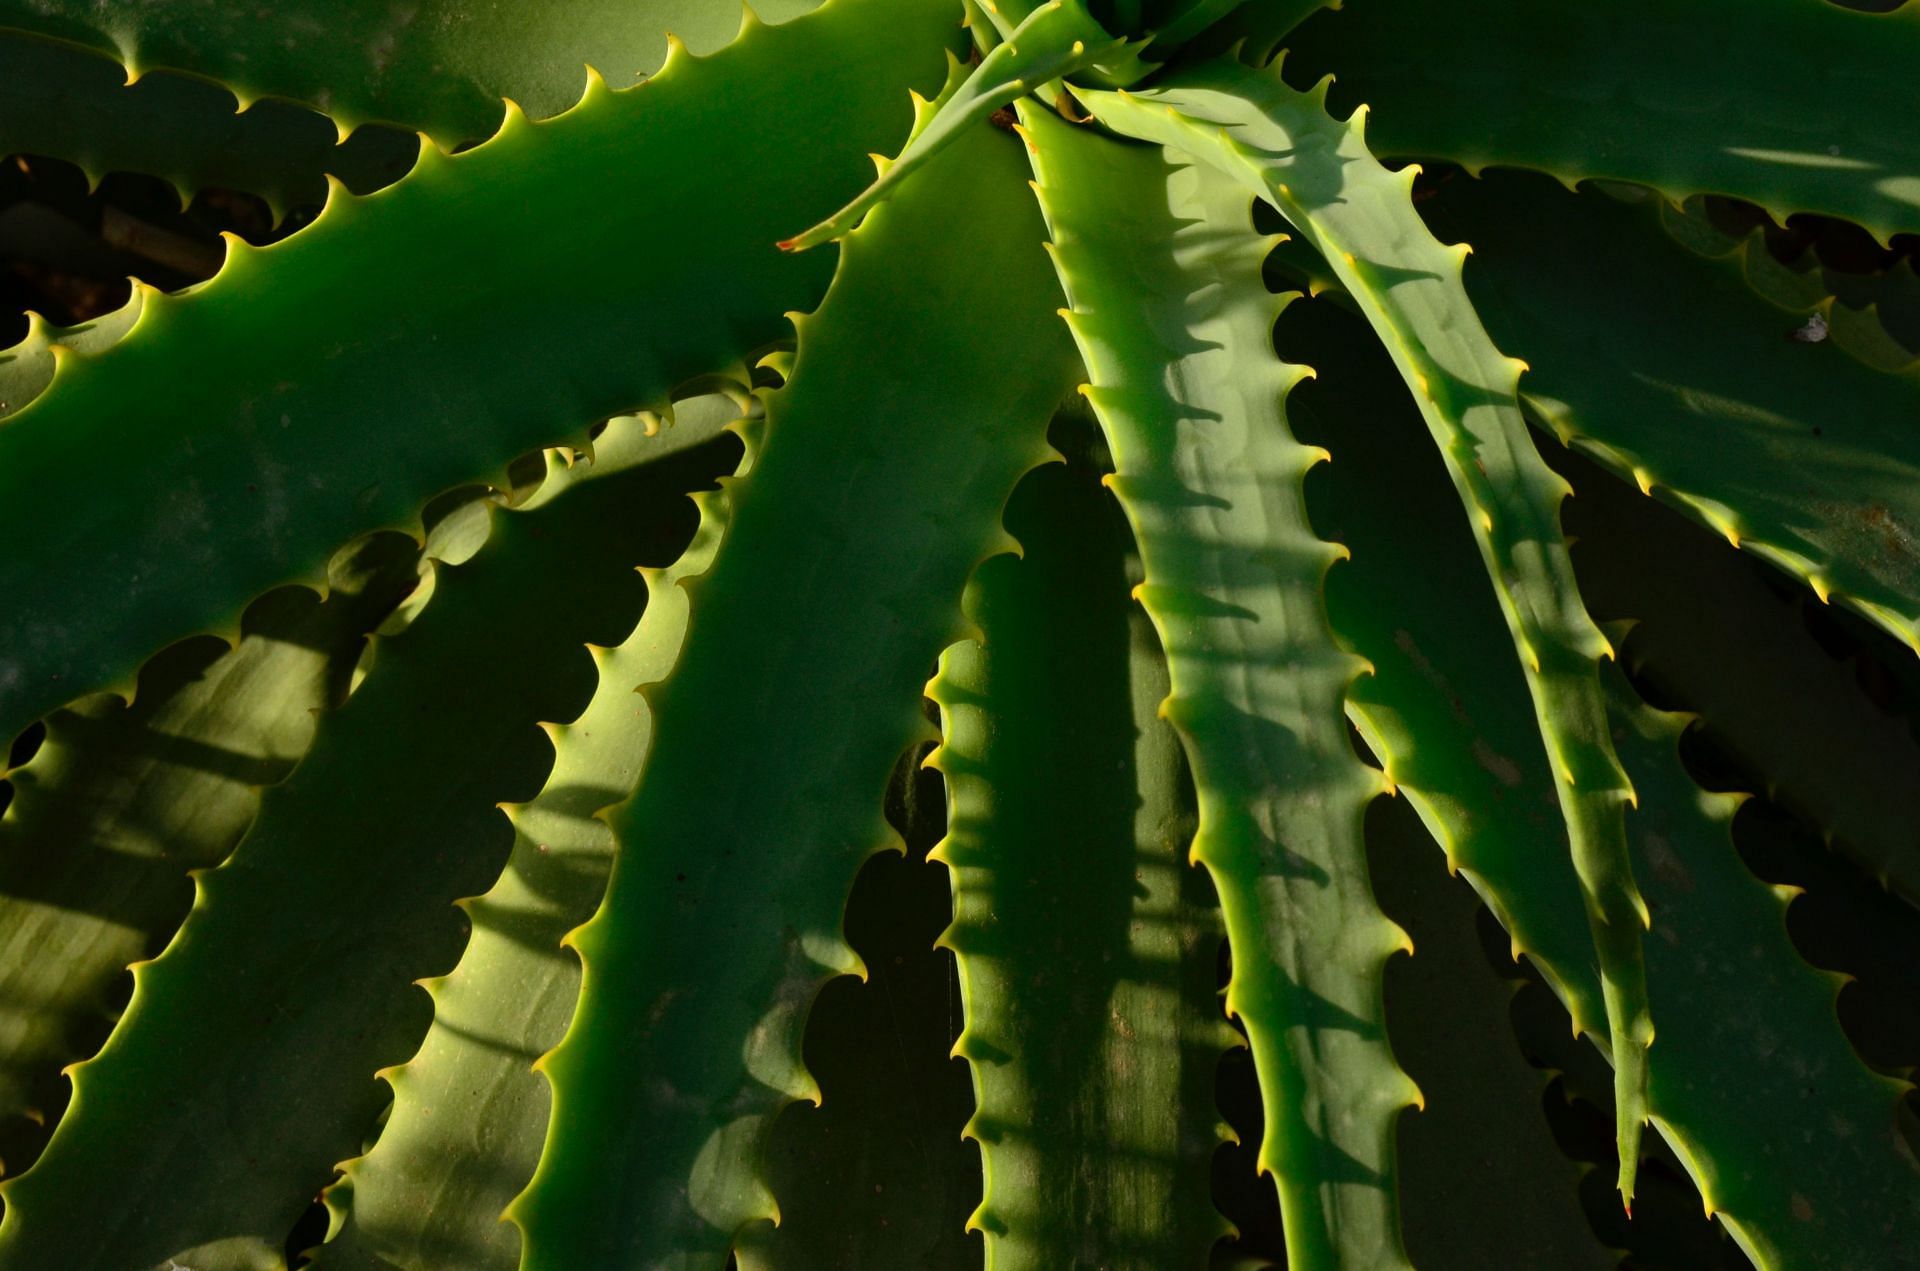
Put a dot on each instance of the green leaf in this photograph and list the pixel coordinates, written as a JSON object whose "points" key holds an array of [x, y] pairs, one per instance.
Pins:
{"points": [[1055, 40], [1722, 643], [469, 1113], [876, 1175], [124, 799], [332, 383], [1318, 173], [75, 105], [1792, 111], [1794, 450], [1482, 1182], [436, 66], [1751, 1079], [29, 366], [243, 1069], [840, 582], [1088, 949], [1162, 269]]}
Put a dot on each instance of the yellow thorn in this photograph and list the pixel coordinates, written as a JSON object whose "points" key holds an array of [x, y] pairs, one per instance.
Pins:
{"points": [[1644, 480], [1820, 588]]}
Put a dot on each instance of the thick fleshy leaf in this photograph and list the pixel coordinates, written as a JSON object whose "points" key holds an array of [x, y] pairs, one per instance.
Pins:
{"points": [[1088, 948], [469, 1113], [1793, 111], [1793, 450], [29, 366], [332, 383], [1163, 272], [440, 67], [810, 641], [1790, 1138], [876, 1174], [243, 1069], [1721, 641], [1318, 173], [123, 799], [76, 105], [1482, 1182]]}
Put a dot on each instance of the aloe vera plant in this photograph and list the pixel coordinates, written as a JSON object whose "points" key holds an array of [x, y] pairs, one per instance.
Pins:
{"points": [[480, 886]]}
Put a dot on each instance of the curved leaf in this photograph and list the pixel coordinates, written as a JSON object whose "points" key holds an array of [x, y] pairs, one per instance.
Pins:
{"points": [[244, 1067], [1088, 952], [435, 66], [846, 555], [469, 1113], [1793, 450], [1792, 111], [332, 383], [1163, 272], [1318, 174], [1750, 1066]]}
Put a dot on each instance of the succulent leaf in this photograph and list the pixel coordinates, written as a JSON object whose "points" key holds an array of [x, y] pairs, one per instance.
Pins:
{"points": [[1055, 40], [123, 800], [1730, 648], [752, 818], [73, 104], [1317, 173], [1211, 480], [245, 1064], [1455, 730], [332, 383], [469, 1113], [439, 67], [1088, 950], [1793, 450], [1790, 111]]}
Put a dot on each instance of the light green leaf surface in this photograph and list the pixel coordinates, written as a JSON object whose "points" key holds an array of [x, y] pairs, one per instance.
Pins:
{"points": [[1088, 947], [808, 647], [29, 366], [1317, 173], [123, 799], [243, 1069], [1162, 269], [470, 1113], [334, 382]]}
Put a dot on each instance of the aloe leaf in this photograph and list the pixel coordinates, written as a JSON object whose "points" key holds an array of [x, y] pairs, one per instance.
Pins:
{"points": [[1317, 173], [75, 105], [876, 1174], [29, 366], [1723, 644], [1482, 1182], [439, 67], [1056, 39], [749, 824], [469, 1113], [243, 1069], [1088, 952], [123, 799], [1794, 451], [332, 383], [1789, 112], [1211, 479], [1750, 1063]]}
